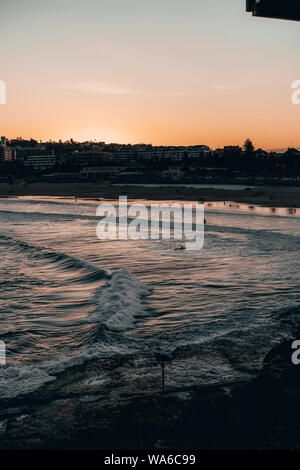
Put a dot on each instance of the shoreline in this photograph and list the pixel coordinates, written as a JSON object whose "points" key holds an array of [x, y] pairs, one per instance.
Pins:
{"points": [[266, 196]]}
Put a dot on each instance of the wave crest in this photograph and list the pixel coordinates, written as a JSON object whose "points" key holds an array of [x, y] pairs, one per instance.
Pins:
{"points": [[120, 301]]}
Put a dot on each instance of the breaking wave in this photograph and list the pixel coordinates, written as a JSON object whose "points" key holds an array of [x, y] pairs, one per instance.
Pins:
{"points": [[120, 301]]}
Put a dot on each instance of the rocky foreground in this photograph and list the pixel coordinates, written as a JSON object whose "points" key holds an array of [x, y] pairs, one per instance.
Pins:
{"points": [[262, 413]]}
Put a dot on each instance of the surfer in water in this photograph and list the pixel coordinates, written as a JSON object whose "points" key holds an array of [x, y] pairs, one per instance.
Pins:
{"points": [[180, 248]]}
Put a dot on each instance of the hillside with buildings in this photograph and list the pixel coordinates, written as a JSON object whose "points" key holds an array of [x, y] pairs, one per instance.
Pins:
{"points": [[97, 161]]}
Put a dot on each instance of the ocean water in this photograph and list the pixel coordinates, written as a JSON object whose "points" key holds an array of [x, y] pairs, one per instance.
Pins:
{"points": [[67, 298]]}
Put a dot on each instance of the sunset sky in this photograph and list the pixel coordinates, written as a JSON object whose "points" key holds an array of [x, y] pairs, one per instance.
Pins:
{"points": [[168, 72]]}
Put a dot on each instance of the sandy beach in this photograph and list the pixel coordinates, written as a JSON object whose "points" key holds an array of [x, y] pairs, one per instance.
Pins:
{"points": [[268, 196]]}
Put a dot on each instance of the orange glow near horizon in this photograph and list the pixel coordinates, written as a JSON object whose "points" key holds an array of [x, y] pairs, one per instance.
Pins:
{"points": [[161, 74]]}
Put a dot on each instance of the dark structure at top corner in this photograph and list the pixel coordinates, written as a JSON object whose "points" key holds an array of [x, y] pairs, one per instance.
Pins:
{"points": [[281, 9]]}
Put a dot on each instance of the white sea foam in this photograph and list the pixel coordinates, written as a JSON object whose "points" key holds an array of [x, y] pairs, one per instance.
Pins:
{"points": [[19, 380], [120, 301], [98, 380], [16, 380]]}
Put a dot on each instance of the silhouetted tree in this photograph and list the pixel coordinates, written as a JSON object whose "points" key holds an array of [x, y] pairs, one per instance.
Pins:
{"points": [[248, 147]]}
